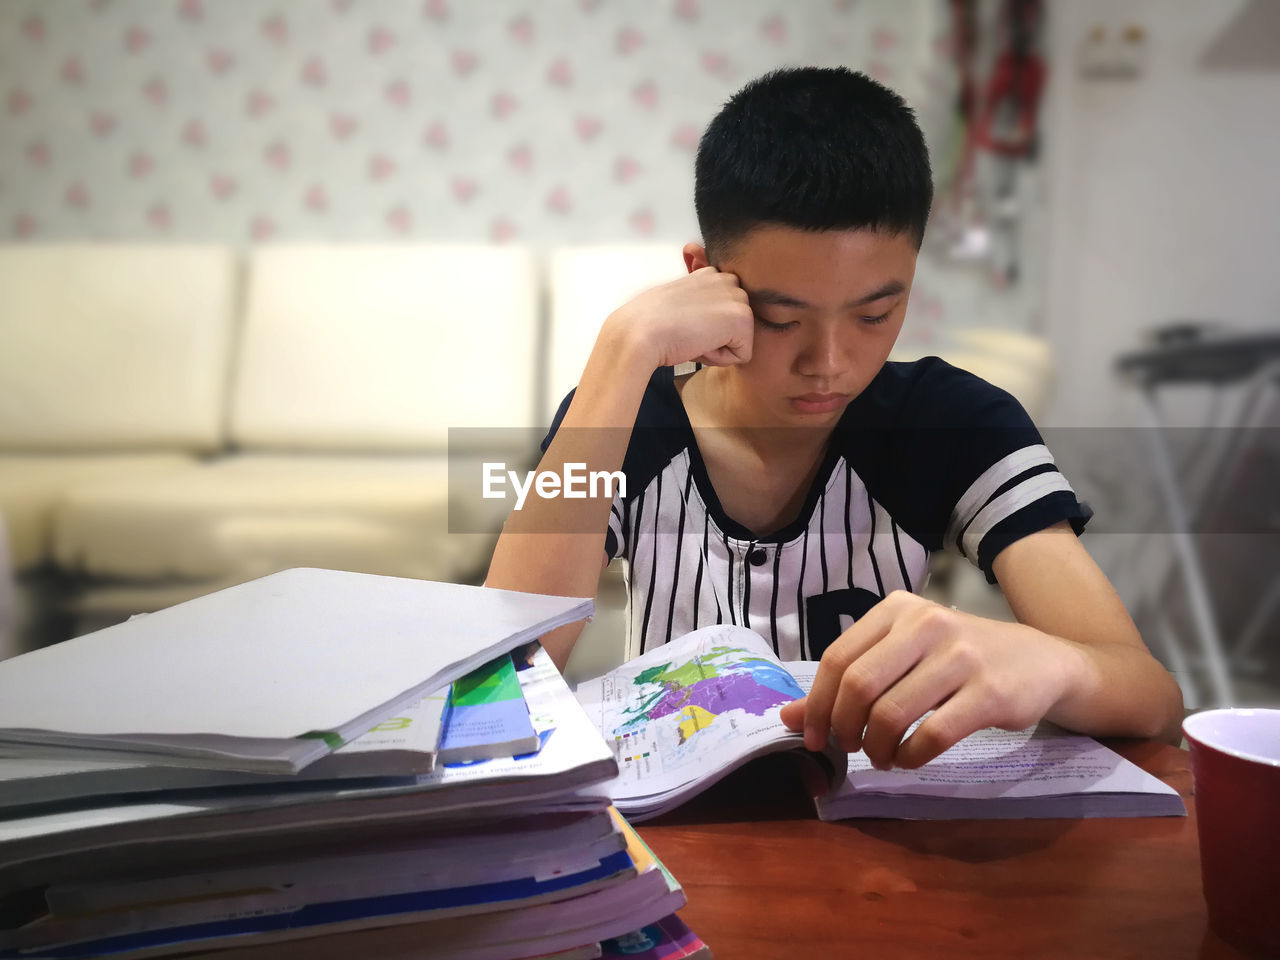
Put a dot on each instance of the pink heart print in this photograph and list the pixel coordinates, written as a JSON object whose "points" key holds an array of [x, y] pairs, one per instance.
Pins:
{"points": [[521, 28], [223, 187], [140, 165], [156, 90], [883, 39], [521, 157], [400, 219], [101, 124], [19, 102], [687, 9], [504, 104], [77, 196], [463, 189], [625, 169], [398, 93], [261, 228], [278, 156], [774, 30], [314, 72], [642, 222], [192, 9], [380, 167], [646, 94], [316, 199], [629, 40], [503, 230], [715, 62], [685, 137], [38, 153], [558, 200], [72, 71], [342, 125], [436, 10], [587, 126], [193, 134], [463, 62], [219, 61], [259, 103], [33, 29], [276, 29], [136, 40], [159, 216], [561, 73], [381, 40], [24, 226], [436, 136]]}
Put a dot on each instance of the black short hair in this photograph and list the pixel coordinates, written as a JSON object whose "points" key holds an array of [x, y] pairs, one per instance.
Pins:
{"points": [[814, 148]]}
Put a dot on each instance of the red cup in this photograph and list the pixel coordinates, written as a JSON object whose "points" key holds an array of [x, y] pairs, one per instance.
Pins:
{"points": [[1235, 764]]}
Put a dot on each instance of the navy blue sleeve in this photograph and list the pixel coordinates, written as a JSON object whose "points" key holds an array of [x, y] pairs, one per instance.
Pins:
{"points": [[961, 464]]}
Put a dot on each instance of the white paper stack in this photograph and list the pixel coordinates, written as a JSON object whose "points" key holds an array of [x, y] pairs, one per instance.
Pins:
{"points": [[507, 857], [267, 676]]}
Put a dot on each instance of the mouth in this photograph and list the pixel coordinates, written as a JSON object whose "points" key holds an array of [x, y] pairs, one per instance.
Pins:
{"points": [[819, 402]]}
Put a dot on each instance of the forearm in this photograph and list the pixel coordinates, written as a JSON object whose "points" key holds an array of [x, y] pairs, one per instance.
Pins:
{"points": [[1120, 690], [1112, 686], [556, 545]]}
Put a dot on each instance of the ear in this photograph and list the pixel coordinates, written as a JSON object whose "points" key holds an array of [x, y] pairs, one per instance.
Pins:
{"points": [[695, 256]]}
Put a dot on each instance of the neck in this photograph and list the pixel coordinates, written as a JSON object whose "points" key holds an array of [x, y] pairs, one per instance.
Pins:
{"points": [[715, 398]]}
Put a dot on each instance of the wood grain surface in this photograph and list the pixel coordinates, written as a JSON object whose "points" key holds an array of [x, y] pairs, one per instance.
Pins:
{"points": [[766, 879]]}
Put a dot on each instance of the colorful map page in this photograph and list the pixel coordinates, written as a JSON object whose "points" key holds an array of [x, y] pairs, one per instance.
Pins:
{"points": [[703, 687]]}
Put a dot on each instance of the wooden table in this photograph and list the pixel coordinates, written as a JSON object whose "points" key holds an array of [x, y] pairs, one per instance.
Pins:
{"points": [[766, 879]]}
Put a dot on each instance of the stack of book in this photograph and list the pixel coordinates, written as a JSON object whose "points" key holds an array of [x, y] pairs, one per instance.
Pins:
{"points": [[316, 764]]}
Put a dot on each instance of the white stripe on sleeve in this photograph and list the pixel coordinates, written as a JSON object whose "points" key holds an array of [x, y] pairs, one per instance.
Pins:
{"points": [[1008, 503], [996, 476]]}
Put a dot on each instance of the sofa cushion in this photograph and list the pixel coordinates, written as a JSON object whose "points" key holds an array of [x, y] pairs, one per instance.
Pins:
{"points": [[114, 346], [586, 285], [384, 347], [32, 485], [248, 515]]}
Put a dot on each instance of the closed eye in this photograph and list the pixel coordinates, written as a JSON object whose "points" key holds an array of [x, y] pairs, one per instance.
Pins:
{"points": [[880, 319], [770, 325]]}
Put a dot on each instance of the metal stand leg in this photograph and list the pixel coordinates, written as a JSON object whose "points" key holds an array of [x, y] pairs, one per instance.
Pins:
{"points": [[1193, 574]]}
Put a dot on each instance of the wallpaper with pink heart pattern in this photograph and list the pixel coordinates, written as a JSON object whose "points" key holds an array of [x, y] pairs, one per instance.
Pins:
{"points": [[538, 121]]}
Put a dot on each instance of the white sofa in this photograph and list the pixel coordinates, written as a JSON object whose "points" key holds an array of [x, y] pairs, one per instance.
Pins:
{"points": [[174, 419]]}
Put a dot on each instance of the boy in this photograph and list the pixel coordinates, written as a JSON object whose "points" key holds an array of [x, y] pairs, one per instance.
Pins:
{"points": [[797, 481]]}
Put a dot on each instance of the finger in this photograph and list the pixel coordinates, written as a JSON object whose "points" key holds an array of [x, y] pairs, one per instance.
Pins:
{"points": [[942, 729], [873, 625], [729, 355], [933, 680], [792, 714], [869, 678]]}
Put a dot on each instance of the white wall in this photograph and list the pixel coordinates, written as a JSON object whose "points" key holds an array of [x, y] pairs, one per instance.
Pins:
{"points": [[1164, 194]]}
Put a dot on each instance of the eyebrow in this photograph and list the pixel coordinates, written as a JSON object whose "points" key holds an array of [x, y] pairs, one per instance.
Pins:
{"points": [[780, 299]]}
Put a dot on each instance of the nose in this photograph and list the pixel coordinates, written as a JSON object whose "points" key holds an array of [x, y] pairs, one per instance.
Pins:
{"points": [[822, 355]]}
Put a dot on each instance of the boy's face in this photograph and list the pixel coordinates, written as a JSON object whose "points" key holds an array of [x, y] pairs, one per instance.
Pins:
{"points": [[829, 306]]}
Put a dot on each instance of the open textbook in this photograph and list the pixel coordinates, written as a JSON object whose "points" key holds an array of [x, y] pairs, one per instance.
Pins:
{"points": [[682, 716]]}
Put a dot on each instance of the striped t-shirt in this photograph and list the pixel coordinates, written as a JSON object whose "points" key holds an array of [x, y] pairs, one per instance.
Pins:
{"points": [[928, 457]]}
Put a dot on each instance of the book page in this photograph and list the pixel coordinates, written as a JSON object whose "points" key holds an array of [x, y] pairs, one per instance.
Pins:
{"points": [[1043, 760], [689, 708]]}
